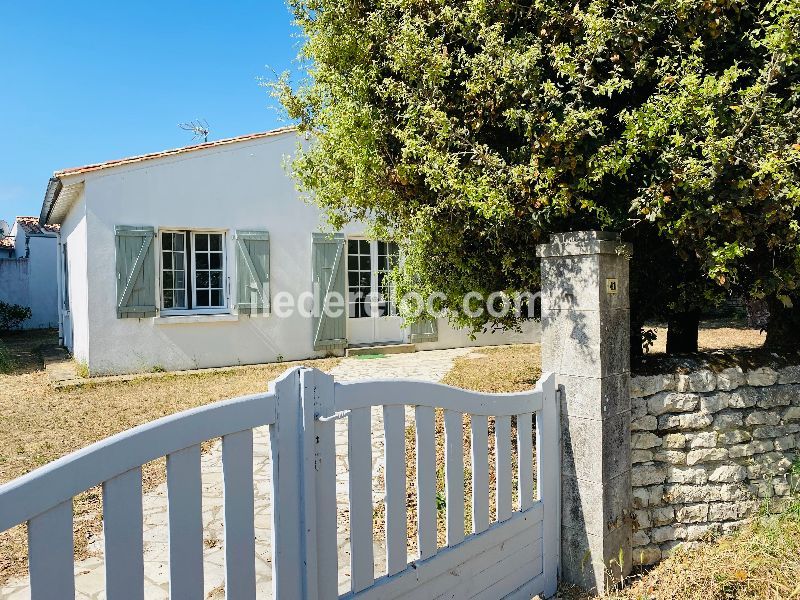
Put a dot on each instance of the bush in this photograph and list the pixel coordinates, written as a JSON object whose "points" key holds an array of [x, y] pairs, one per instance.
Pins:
{"points": [[13, 315]]}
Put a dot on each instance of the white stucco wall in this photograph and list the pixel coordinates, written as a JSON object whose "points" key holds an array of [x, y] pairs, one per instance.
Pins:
{"points": [[238, 186], [75, 321], [43, 283], [14, 277], [29, 279], [448, 337], [242, 186]]}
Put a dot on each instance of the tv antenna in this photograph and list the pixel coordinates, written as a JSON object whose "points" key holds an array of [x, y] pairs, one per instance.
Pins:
{"points": [[198, 128]]}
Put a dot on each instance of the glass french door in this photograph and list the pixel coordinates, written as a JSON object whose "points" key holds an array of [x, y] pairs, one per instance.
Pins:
{"points": [[371, 308]]}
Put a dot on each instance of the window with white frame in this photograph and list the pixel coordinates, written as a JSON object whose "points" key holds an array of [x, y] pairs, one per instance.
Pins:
{"points": [[193, 270]]}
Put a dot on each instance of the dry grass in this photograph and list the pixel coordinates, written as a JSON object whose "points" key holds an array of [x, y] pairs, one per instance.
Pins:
{"points": [[20, 350], [716, 336], [497, 369], [39, 424], [761, 560]]}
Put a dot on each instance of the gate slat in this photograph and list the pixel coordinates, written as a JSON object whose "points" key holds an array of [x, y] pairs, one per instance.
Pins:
{"points": [[502, 432], [327, 543], [123, 530], [525, 460], [454, 475], [426, 481], [287, 502], [394, 426], [239, 527], [310, 466], [480, 472], [548, 480], [185, 492], [50, 554], [359, 451]]}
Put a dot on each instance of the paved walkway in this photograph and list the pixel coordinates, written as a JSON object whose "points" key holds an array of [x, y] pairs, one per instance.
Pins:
{"points": [[89, 573]]}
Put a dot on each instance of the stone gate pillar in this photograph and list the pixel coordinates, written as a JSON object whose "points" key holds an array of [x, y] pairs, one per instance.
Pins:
{"points": [[585, 342]]}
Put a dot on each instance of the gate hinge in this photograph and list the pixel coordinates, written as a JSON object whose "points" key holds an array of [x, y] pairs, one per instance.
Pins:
{"points": [[337, 415]]}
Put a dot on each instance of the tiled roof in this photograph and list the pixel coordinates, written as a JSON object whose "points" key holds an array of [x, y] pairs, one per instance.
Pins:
{"points": [[30, 225], [164, 153], [7, 243]]}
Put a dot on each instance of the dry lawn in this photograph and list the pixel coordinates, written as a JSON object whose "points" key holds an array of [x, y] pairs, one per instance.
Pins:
{"points": [[715, 336], [39, 424], [760, 561], [497, 369]]}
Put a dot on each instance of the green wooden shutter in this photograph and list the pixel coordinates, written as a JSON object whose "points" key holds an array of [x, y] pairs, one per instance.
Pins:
{"points": [[424, 331], [328, 275], [252, 272], [136, 272]]}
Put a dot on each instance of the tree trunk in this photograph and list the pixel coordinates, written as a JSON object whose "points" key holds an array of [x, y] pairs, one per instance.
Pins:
{"points": [[682, 332], [783, 326]]}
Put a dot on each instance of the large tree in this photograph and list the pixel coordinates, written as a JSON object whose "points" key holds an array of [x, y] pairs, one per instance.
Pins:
{"points": [[471, 129]]}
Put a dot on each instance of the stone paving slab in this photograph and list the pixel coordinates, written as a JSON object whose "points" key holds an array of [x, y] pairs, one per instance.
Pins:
{"points": [[430, 365]]}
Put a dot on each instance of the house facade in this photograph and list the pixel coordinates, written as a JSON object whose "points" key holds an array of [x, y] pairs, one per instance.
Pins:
{"points": [[206, 256], [28, 270]]}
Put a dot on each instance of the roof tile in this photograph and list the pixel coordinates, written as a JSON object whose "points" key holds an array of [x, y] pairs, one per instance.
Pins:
{"points": [[164, 153], [30, 225]]}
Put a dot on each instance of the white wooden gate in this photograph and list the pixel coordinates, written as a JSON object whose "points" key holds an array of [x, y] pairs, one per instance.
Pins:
{"points": [[515, 556]]}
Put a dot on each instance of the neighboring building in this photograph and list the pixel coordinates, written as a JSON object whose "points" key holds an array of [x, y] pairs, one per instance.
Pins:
{"points": [[184, 258], [28, 273]]}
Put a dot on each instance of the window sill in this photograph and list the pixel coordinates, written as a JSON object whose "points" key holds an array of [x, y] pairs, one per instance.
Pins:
{"points": [[207, 318]]}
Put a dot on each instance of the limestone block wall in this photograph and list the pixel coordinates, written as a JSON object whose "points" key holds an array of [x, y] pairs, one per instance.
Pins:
{"points": [[708, 449]]}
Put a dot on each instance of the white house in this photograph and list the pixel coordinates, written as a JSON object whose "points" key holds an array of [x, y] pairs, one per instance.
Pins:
{"points": [[188, 258], [28, 270]]}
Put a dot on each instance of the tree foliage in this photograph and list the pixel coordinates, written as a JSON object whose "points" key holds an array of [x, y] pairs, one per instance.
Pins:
{"points": [[470, 129]]}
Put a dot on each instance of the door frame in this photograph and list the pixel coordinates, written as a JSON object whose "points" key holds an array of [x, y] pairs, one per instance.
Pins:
{"points": [[367, 330]]}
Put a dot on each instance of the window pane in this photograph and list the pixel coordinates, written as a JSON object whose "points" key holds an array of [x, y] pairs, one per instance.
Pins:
{"points": [[202, 298], [381, 247], [180, 299], [216, 261], [352, 278], [201, 280], [352, 262], [365, 263], [166, 241], [167, 260], [178, 242], [216, 279], [364, 280], [201, 261], [363, 246], [216, 241], [383, 263], [393, 249], [216, 298], [201, 241], [168, 299], [179, 280], [169, 280]]}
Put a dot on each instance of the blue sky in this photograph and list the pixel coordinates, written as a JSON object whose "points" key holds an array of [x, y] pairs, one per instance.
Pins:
{"points": [[84, 82]]}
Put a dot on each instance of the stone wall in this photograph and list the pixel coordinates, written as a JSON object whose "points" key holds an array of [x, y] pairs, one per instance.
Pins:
{"points": [[708, 449]]}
